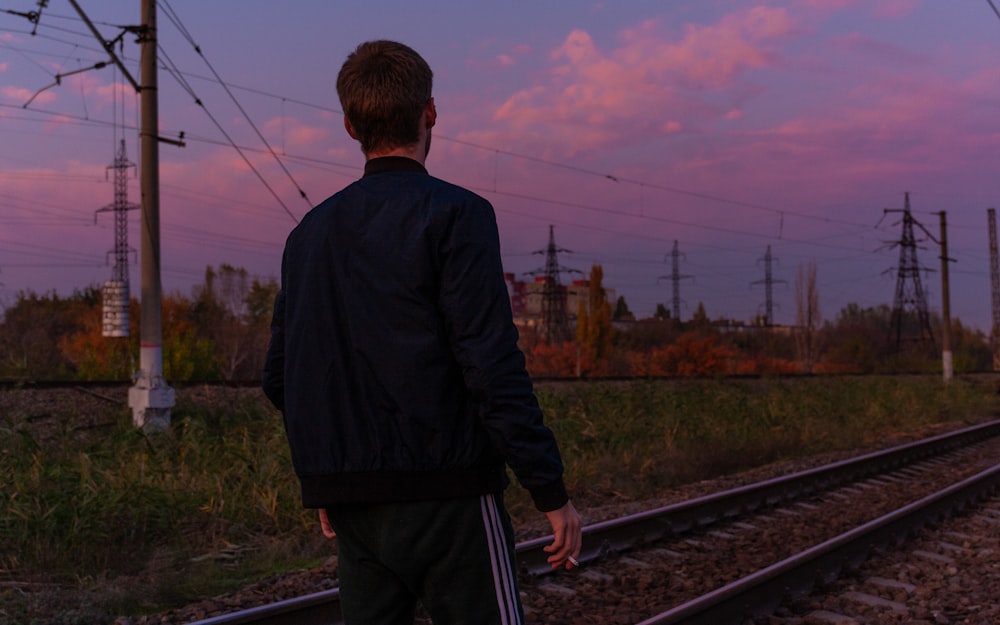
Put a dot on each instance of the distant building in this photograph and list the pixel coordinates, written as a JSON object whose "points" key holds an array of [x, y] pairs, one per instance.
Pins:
{"points": [[526, 298]]}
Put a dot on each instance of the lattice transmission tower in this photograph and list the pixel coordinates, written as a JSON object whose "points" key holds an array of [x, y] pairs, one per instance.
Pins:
{"points": [[768, 283], [554, 324], [675, 278], [910, 305], [115, 292], [991, 215]]}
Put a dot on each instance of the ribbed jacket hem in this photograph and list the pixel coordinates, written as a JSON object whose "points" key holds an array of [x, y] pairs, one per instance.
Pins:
{"points": [[322, 491]]}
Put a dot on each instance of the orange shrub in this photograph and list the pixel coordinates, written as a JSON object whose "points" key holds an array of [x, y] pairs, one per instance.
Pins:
{"points": [[555, 360], [692, 355], [761, 365]]}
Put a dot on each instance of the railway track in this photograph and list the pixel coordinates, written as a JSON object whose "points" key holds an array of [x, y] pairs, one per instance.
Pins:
{"points": [[739, 554]]}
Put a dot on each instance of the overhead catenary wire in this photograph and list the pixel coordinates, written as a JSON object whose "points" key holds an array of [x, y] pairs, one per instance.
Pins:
{"points": [[232, 143], [177, 75], [734, 202], [180, 77], [994, 7], [175, 19], [591, 208]]}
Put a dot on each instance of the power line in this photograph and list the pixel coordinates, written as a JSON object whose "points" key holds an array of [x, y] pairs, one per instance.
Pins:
{"points": [[242, 151], [994, 7], [175, 19], [178, 75], [232, 143]]}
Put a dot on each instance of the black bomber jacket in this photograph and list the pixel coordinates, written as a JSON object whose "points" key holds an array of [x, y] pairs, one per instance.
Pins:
{"points": [[393, 353]]}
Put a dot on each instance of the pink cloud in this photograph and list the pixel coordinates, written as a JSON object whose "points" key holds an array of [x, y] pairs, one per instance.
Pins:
{"points": [[828, 5], [892, 9], [293, 133], [672, 127], [900, 128], [857, 43], [638, 79], [4, 66], [21, 95], [502, 60], [885, 9]]}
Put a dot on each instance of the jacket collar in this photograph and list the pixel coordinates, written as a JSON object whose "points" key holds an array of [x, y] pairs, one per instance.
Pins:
{"points": [[383, 164]]}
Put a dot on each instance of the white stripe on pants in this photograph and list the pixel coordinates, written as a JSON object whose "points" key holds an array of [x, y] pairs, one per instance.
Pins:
{"points": [[504, 581]]}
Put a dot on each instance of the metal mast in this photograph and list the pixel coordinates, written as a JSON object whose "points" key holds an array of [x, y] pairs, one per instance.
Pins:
{"points": [[946, 355], [554, 321], [991, 215], [909, 290], [768, 283], [150, 397], [675, 278], [115, 293]]}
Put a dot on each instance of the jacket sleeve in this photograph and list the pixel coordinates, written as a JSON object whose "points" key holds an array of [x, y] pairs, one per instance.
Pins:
{"points": [[476, 308], [274, 363]]}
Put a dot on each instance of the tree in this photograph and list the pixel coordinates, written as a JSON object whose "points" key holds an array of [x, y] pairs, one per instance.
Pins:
{"points": [[661, 312], [95, 356], [186, 354], [622, 313], [33, 328], [221, 312], [259, 307], [593, 329], [807, 317], [856, 340], [699, 320]]}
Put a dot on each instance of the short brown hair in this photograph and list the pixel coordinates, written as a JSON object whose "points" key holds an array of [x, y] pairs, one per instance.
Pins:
{"points": [[384, 87]]}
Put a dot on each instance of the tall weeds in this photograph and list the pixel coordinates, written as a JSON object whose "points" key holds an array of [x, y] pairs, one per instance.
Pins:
{"points": [[114, 503]]}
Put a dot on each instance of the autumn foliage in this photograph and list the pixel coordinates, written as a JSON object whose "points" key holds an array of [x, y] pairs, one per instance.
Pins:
{"points": [[692, 355], [220, 332]]}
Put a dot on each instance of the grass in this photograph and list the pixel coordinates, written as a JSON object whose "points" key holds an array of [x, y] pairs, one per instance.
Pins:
{"points": [[101, 522]]}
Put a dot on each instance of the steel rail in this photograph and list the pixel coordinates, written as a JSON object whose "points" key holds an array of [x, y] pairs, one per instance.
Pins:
{"points": [[626, 533], [319, 608], [759, 594]]}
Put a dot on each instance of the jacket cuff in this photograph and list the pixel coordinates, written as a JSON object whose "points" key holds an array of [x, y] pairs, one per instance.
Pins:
{"points": [[551, 496]]}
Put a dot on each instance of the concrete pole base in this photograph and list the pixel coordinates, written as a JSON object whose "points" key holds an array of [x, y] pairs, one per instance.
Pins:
{"points": [[151, 404]]}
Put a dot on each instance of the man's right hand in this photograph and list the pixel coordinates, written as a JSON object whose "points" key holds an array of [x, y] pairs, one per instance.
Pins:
{"points": [[567, 531], [324, 523]]}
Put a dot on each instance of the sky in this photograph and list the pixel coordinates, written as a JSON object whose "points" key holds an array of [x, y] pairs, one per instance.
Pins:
{"points": [[729, 128]]}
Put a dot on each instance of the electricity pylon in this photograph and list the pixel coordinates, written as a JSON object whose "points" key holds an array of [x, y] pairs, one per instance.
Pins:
{"points": [[115, 293], [909, 290], [768, 283], [675, 277], [554, 322]]}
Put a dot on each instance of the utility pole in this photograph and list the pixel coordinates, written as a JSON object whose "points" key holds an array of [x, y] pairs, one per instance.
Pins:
{"points": [[991, 216], [946, 361], [150, 397]]}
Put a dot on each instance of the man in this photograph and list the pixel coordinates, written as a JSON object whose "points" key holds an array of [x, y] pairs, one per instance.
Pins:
{"points": [[394, 361]]}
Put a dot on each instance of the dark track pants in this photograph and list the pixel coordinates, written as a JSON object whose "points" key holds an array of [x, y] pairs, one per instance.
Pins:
{"points": [[456, 557]]}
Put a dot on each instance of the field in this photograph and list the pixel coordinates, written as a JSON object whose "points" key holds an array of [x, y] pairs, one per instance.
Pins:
{"points": [[100, 520]]}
